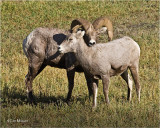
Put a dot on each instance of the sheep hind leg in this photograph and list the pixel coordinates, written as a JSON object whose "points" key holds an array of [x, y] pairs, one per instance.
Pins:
{"points": [[95, 91], [129, 82], [105, 81], [135, 75], [33, 71]]}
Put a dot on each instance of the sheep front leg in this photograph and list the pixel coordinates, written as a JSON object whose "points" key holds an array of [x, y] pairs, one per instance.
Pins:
{"points": [[89, 83], [95, 91], [105, 81], [70, 76]]}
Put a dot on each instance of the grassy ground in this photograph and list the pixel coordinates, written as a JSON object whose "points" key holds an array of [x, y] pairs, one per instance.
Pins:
{"points": [[138, 20]]}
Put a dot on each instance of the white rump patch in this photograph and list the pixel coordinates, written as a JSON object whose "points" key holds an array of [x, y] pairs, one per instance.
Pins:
{"points": [[27, 41]]}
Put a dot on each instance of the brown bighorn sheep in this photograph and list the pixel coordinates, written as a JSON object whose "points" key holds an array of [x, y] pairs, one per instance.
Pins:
{"points": [[40, 47], [106, 60], [100, 25]]}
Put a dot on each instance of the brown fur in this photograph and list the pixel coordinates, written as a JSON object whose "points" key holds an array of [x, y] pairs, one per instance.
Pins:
{"points": [[41, 49]]}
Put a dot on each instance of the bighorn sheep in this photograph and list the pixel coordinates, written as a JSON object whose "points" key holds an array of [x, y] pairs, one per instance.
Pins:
{"points": [[40, 47], [106, 60], [100, 25]]}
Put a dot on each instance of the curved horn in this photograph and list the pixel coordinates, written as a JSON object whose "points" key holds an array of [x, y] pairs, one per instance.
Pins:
{"points": [[104, 22], [79, 23]]}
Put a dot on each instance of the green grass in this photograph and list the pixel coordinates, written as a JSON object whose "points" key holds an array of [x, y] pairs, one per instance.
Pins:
{"points": [[137, 19]]}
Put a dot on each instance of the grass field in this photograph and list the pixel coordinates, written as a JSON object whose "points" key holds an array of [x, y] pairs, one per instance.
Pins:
{"points": [[137, 19]]}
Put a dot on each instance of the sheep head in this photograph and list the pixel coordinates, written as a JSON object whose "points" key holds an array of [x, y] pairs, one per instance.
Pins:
{"points": [[71, 42], [100, 25], [84, 25]]}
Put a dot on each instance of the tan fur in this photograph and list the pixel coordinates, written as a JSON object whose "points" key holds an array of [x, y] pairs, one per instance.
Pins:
{"points": [[104, 22]]}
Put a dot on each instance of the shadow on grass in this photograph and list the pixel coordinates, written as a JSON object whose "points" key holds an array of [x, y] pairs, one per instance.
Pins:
{"points": [[16, 96]]}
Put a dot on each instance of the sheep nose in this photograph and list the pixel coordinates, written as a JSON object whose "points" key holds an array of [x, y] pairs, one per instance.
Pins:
{"points": [[93, 43], [59, 48]]}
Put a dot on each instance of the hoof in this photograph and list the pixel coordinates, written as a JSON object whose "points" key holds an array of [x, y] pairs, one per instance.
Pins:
{"points": [[68, 101], [31, 99], [94, 108], [90, 94]]}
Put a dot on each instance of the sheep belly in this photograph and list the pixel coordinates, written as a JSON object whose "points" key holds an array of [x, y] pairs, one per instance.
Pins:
{"points": [[118, 71]]}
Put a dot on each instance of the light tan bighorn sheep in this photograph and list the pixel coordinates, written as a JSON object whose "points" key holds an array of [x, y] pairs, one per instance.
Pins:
{"points": [[106, 60], [40, 47]]}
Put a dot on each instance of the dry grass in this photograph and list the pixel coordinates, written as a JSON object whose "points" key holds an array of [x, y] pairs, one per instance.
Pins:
{"points": [[138, 20]]}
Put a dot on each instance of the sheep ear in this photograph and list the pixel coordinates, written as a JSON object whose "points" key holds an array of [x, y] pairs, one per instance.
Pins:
{"points": [[80, 34]]}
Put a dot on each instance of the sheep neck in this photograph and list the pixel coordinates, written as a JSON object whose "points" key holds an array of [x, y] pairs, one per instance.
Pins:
{"points": [[83, 54]]}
